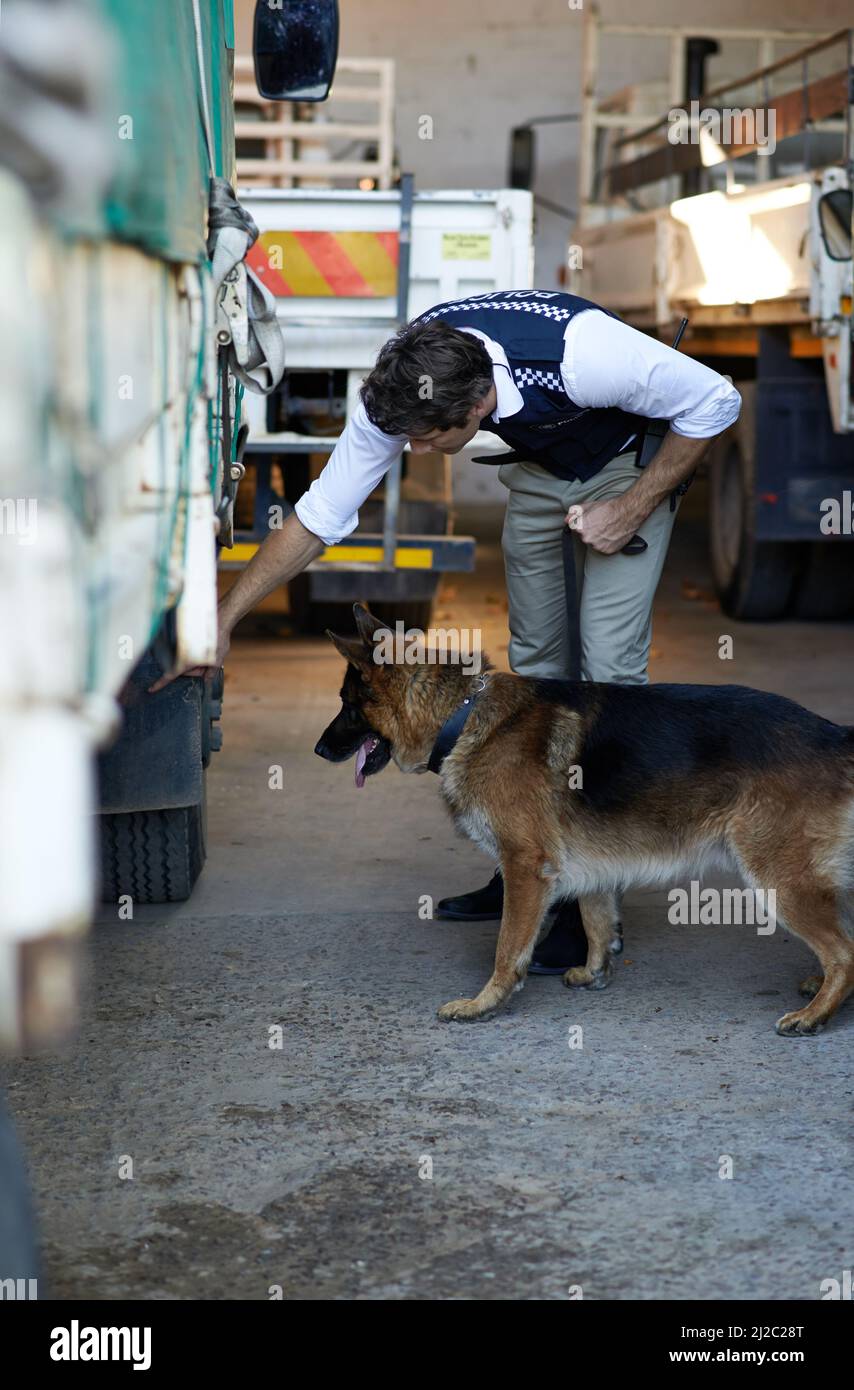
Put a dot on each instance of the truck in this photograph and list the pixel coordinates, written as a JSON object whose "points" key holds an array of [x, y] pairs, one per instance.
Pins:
{"points": [[733, 209], [134, 329]]}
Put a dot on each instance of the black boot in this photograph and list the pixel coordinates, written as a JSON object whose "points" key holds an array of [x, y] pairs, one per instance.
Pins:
{"points": [[484, 905], [565, 945]]}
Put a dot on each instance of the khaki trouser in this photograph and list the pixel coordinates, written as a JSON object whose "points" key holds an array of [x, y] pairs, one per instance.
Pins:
{"points": [[616, 591]]}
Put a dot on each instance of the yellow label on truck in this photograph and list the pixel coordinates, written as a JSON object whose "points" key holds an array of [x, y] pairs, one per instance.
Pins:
{"points": [[466, 246]]}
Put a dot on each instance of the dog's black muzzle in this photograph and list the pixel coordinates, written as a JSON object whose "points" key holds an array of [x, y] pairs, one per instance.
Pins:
{"points": [[343, 738]]}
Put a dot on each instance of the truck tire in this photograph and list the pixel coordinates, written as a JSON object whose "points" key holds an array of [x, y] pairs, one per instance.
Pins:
{"points": [[153, 856], [19, 1255], [154, 853], [826, 587], [754, 579]]}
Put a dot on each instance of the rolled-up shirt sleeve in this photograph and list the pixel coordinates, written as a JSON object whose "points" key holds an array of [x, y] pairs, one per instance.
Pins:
{"points": [[359, 461], [607, 363]]}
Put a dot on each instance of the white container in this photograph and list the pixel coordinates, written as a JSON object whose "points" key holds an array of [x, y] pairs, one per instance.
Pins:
{"points": [[463, 242]]}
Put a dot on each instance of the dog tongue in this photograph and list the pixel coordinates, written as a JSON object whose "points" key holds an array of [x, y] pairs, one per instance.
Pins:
{"points": [[361, 758]]}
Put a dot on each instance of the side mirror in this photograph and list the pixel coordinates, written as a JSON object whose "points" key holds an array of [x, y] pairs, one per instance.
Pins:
{"points": [[523, 151], [296, 48], [834, 216]]}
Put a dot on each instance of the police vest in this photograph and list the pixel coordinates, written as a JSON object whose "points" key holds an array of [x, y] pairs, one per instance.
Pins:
{"points": [[570, 441]]}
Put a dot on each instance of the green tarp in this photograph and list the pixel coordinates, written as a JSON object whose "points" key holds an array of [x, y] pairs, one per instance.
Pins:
{"points": [[158, 198]]}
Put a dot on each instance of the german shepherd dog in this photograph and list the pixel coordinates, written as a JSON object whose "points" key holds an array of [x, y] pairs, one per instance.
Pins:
{"points": [[673, 779]]}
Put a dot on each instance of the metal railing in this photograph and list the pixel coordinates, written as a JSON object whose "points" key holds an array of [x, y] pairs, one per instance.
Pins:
{"points": [[299, 149]]}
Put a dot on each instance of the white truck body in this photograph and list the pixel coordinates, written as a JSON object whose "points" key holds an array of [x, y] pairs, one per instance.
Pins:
{"points": [[463, 242], [107, 519], [752, 255]]}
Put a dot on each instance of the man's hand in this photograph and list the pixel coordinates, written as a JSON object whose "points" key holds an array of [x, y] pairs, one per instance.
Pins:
{"points": [[608, 526], [604, 526], [283, 554], [222, 645]]}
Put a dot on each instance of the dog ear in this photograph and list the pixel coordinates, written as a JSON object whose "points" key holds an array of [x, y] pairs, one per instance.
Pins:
{"points": [[366, 623], [354, 651]]}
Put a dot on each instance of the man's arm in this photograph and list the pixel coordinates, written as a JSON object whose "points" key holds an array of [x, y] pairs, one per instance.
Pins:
{"points": [[284, 554], [607, 363], [323, 515]]}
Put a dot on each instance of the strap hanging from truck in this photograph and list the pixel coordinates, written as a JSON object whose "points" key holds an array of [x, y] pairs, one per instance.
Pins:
{"points": [[246, 310]]}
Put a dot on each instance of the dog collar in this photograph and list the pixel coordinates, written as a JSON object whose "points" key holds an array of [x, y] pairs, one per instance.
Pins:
{"points": [[452, 728]]}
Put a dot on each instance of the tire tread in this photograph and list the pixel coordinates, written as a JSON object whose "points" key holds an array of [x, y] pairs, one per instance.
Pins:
{"points": [[152, 856]]}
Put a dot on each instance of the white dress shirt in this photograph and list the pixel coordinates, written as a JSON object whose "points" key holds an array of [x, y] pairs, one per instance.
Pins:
{"points": [[605, 363]]}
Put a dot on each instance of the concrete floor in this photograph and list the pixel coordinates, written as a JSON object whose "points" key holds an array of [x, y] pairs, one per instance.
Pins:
{"points": [[303, 1166]]}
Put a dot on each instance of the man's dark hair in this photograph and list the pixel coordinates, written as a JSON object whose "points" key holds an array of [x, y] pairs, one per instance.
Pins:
{"points": [[427, 377]]}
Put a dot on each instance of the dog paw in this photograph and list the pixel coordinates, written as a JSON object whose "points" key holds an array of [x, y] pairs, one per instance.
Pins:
{"points": [[463, 1011], [616, 943], [579, 977], [798, 1025], [811, 986]]}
